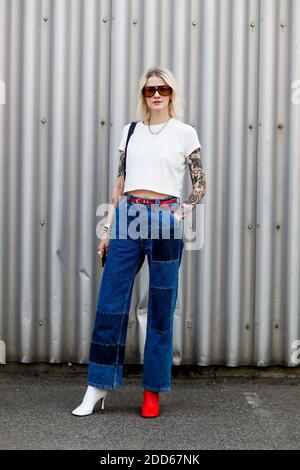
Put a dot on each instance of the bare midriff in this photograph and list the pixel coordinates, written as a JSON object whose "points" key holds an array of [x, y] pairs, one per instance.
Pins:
{"points": [[146, 193]]}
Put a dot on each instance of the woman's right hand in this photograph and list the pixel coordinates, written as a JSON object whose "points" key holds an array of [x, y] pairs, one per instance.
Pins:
{"points": [[104, 244]]}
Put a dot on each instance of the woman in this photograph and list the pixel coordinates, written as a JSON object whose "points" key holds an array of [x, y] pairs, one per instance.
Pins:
{"points": [[158, 152]]}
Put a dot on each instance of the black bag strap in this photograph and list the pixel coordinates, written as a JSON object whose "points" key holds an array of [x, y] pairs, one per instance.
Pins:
{"points": [[130, 132]]}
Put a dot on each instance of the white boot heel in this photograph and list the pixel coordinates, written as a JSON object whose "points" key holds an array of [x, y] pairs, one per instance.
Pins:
{"points": [[102, 403], [90, 399]]}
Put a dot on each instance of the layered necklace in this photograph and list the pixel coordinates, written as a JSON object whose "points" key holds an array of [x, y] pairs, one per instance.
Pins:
{"points": [[159, 129]]}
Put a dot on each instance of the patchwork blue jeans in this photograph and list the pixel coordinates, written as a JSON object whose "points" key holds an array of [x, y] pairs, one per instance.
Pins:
{"points": [[138, 230]]}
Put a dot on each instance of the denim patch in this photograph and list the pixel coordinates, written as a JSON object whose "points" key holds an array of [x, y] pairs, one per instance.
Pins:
{"points": [[107, 327], [165, 249], [164, 274], [107, 353], [161, 311]]}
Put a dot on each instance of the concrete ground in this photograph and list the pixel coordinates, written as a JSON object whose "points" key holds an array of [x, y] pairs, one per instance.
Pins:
{"points": [[207, 408]]}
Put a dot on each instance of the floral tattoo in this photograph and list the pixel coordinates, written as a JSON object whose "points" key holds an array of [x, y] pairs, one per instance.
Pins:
{"points": [[198, 179], [121, 169]]}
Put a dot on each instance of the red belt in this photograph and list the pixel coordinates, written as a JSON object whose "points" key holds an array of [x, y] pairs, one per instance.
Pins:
{"points": [[149, 201]]}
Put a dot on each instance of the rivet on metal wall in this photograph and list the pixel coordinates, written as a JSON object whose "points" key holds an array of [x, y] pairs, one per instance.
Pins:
{"points": [[45, 18], [280, 125], [102, 123], [247, 326], [194, 23], [189, 325], [43, 121], [282, 25], [104, 20], [42, 222], [252, 25], [250, 126], [134, 22], [40, 323], [249, 226]]}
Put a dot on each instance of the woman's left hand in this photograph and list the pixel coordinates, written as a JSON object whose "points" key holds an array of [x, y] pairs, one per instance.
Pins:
{"points": [[182, 211], [178, 215]]}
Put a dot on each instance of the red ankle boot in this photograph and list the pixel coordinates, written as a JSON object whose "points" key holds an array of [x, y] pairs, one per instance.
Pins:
{"points": [[150, 408]]}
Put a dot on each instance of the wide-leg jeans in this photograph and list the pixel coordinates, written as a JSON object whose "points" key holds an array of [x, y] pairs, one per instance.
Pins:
{"points": [[138, 230]]}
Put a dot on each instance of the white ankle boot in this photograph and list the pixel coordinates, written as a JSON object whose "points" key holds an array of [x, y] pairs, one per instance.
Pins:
{"points": [[91, 397]]}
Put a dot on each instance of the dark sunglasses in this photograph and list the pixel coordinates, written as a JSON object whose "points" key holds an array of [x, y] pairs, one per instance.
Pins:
{"points": [[163, 90]]}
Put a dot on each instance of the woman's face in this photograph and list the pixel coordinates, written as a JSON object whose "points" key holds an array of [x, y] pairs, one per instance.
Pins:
{"points": [[157, 102]]}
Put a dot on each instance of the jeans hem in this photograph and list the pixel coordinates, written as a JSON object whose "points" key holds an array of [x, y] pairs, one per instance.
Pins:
{"points": [[156, 389], [109, 387]]}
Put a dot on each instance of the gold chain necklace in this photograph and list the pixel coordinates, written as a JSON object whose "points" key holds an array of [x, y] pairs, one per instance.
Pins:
{"points": [[159, 129]]}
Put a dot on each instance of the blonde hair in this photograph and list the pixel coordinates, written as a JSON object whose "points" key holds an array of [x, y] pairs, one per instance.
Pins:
{"points": [[176, 103]]}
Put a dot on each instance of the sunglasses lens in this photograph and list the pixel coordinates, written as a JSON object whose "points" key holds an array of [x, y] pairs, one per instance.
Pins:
{"points": [[164, 90], [149, 91]]}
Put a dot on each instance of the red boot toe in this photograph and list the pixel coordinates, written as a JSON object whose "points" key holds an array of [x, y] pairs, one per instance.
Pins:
{"points": [[150, 408]]}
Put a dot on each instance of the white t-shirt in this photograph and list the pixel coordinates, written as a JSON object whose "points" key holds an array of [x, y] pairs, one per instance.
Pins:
{"points": [[157, 162]]}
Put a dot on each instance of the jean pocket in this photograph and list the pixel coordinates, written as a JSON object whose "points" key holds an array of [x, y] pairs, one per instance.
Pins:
{"points": [[170, 209], [174, 218]]}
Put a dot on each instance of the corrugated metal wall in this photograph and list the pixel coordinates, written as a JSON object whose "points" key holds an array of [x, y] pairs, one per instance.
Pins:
{"points": [[68, 73]]}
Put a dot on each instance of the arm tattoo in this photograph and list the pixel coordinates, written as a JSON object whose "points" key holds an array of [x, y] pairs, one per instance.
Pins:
{"points": [[121, 163], [197, 175]]}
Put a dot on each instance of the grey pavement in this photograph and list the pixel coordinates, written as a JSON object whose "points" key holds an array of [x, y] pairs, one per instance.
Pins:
{"points": [[216, 408]]}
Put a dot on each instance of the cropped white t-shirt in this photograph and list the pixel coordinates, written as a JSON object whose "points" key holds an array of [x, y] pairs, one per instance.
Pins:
{"points": [[157, 161]]}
